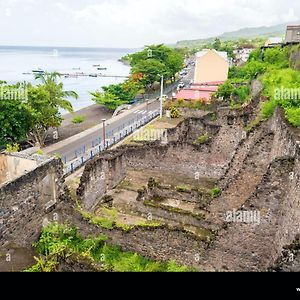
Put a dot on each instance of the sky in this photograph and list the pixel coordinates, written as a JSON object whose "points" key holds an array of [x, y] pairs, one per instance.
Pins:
{"points": [[133, 23]]}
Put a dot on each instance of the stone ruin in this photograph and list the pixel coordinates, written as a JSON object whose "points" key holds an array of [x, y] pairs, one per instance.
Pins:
{"points": [[226, 202]]}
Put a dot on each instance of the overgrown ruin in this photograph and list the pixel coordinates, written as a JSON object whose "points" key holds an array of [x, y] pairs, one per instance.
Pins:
{"points": [[186, 200]]}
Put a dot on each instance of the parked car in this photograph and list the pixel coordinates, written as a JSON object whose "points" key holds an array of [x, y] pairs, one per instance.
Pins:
{"points": [[133, 101], [181, 85]]}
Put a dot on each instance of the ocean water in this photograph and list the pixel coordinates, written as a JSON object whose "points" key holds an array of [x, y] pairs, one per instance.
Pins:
{"points": [[15, 61]]}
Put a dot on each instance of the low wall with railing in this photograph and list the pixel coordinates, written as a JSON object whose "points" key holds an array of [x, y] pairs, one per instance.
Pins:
{"points": [[84, 155]]}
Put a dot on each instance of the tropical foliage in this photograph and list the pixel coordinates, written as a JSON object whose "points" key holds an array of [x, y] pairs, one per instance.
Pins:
{"points": [[59, 242], [29, 119]]}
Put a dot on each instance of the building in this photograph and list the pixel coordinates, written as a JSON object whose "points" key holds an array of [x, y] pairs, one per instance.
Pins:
{"points": [[292, 34], [273, 42], [211, 66], [198, 92], [242, 54]]}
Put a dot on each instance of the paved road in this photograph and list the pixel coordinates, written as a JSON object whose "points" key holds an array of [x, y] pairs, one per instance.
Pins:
{"points": [[77, 145]]}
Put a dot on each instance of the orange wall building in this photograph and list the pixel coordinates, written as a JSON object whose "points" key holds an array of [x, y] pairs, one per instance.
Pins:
{"points": [[211, 66]]}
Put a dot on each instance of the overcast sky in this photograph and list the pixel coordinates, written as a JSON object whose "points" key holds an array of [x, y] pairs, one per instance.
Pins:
{"points": [[133, 23]]}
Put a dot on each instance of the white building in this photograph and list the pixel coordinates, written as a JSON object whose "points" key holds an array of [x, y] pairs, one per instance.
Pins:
{"points": [[242, 54]]}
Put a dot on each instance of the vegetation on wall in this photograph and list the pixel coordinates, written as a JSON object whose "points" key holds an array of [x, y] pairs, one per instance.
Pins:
{"points": [[61, 242], [281, 83]]}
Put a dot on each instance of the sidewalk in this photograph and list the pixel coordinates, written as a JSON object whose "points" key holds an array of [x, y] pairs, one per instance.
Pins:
{"points": [[53, 148]]}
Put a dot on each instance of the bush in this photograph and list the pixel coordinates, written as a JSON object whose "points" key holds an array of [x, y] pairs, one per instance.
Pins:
{"points": [[268, 108], [78, 120], [202, 139], [293, 116], [216, 192], [59, 241], [10, 148], [174, 113]]}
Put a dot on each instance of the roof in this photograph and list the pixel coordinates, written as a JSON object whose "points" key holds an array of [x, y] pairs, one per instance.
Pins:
{"points": [[194, 94], [293, 27], [220, 53], [213, 88], [212, 83], [275, 40]]}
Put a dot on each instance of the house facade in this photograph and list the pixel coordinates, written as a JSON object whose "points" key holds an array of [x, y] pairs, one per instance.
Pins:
{"points": [[242, 54], [274, 42], [211, 66]]}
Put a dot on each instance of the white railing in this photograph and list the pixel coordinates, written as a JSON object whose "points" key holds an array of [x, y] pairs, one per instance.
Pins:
{"points": [[84, 155]]}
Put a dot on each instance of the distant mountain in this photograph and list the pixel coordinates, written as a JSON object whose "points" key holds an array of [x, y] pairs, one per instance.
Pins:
{"points": [[247, 33]]}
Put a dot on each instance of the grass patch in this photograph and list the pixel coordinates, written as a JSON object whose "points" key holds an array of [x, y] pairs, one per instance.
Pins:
{"points": [[183, 189], [58, 242], [253, 124], [215, 193], [202, 139], [171, 209], [78, 119], [109, 220]]}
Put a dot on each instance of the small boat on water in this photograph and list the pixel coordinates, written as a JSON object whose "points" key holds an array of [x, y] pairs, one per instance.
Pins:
{"points": [[95, 66], [102, 69], [93, 75], [76, 69], [38, 71]]}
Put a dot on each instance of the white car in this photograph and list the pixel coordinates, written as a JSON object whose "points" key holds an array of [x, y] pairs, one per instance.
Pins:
{"points": [[181, 85]]}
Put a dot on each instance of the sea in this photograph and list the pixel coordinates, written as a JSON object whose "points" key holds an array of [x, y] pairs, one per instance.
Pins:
{"points": [[17, 64]]}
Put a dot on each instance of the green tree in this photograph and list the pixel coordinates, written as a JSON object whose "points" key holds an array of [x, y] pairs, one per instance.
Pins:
{"points": [[44, 114], [217, 44], [58, 96], [15, 121], [107, 99], [115, 95], [151, 69], [45, 102], [154, 60]]}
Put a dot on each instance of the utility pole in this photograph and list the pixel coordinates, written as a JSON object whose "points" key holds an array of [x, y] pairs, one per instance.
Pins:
{"points": [[104, 133], [161, 95]]}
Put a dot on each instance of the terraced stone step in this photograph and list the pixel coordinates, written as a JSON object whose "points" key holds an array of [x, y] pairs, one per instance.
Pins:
{"points": [[244, 182], [253, 246]]}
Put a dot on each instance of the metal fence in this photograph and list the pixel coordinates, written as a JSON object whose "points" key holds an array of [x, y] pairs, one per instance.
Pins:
{"points": [[83, 155]]}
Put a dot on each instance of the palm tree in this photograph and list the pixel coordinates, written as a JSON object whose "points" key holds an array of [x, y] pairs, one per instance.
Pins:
{"points": [[58, 96]]}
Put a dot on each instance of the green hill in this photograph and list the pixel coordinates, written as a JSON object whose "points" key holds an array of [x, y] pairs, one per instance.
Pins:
{"points": [[245, 33]]}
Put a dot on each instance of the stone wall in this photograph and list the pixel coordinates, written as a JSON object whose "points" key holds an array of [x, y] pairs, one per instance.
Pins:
{"points": [[180, 156], [26, 201], [288, 144], [242, 247], [158, 243], [101, 174]]}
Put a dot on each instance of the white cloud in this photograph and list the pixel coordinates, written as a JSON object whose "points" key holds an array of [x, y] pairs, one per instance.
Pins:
{"points": [[133, 23]]}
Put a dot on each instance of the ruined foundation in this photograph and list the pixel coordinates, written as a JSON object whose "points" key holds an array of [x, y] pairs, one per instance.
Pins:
{"points": [[188, 187]]}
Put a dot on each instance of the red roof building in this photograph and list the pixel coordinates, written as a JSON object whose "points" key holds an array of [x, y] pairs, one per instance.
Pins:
{"points": [[202, 91]]}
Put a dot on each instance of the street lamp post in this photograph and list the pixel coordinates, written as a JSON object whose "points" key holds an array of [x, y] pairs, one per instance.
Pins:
{"points": [[104, 133], [161, 95]]}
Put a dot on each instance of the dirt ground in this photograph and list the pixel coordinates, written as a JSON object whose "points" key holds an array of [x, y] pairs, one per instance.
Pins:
{"points": [[136, 179]]}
